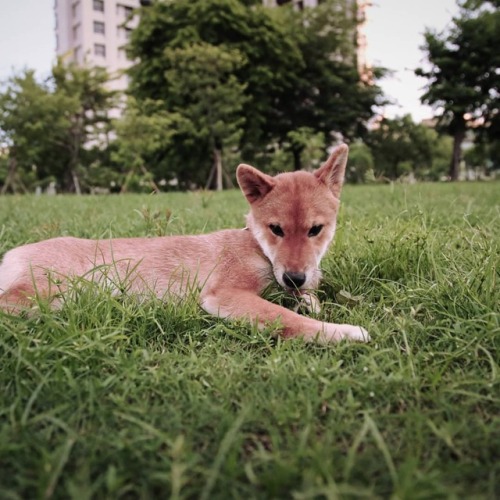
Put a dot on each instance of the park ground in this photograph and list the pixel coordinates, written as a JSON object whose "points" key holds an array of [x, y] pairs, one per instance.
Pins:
{"points": [[115, 398]]}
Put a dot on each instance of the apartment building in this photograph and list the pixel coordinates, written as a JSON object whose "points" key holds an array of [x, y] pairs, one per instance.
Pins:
{"points": [[94, 32]]}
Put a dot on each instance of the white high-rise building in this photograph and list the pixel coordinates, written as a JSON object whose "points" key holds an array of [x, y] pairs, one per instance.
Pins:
{"points": [[94, 33]]}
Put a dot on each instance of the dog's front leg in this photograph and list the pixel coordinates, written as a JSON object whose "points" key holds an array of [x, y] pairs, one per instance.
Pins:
{"points": [[234, 303]]}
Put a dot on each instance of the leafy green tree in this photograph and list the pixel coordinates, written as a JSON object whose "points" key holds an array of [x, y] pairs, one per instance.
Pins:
{"points": [[206, 93], [441, 152], [85, 123], [400, 146], [282, 157], [328, 94], [464, 81], [270, 57], [141, 132], [483, 157], [311, 145], [52, 128], [298, 69], [26, 109], [360, 167]]}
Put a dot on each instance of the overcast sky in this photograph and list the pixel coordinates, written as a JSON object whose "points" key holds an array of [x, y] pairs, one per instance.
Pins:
{"points": [[394, 33]]}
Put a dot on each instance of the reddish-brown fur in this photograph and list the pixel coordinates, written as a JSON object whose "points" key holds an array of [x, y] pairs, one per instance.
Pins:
{"points": [[229, 268]]}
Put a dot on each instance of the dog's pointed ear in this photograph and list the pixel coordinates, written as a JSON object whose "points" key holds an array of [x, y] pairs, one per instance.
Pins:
{"points": [[254, 184], [333, 170]]}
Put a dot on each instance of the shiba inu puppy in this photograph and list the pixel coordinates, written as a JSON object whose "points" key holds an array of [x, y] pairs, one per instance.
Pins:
{"points": [[289, 228]]}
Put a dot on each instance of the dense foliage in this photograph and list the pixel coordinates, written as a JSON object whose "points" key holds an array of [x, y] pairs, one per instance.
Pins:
{"points": [[292, 70], [54, 129], [217, 82], [464, 74]]}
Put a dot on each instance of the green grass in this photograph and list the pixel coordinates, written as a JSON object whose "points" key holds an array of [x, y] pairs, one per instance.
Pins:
{"points": [[111, 398]]}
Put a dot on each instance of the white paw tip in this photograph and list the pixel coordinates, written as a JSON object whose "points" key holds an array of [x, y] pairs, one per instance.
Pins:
{"points": [[360, 334]]}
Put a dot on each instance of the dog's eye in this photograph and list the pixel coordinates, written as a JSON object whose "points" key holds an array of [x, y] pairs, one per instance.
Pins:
{"points": [[314, 231], [276, 230]]}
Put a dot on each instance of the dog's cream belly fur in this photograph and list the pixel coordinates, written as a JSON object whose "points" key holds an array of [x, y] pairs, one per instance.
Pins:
{"points": [[169, 266]]}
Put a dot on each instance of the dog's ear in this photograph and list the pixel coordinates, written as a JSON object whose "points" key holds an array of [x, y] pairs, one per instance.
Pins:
{"points": [[254, 184], [333, 170]]}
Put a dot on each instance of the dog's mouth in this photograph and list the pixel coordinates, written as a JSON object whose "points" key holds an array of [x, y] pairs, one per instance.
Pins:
{"points": [[297, 283], [295, 291], [294, 285]]}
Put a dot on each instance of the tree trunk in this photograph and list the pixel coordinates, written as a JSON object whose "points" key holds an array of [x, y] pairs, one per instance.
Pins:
{"points": [[458, 139], [208, 185], [76, 182], [218, 169], [396, 171], [11, 174], [75, 144], [152, 183], [13, 180], [297, 163]]}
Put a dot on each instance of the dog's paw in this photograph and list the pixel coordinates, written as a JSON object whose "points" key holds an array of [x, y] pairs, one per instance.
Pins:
{"points": [[335, 333], [309, 302], [357, 333]]}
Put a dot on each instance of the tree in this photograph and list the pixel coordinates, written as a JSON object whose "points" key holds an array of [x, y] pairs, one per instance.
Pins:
{"points": [[464, 81], [26, 107], [297, 70], [85, 123], [360, 166], [328, 94], [270, 57], [310, 144], [400, 146], [51, 128], [206, 93], [141, 131]]}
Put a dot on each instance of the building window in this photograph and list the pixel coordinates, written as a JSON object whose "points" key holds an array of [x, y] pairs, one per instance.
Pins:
{"points": [[100, 49], [76, 54], [98, 5], [99, 27], [76, 31], [74, 9]]}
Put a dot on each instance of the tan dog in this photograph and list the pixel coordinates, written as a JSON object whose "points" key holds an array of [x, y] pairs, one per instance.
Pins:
{"points": [[290, 226]]}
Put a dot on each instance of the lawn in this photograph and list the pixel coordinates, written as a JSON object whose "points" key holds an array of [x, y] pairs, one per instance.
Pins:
{"points": [[116, 398]]}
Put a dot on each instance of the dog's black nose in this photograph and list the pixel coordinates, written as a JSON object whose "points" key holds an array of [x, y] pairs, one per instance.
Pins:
{"points": [[294, 280]]}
